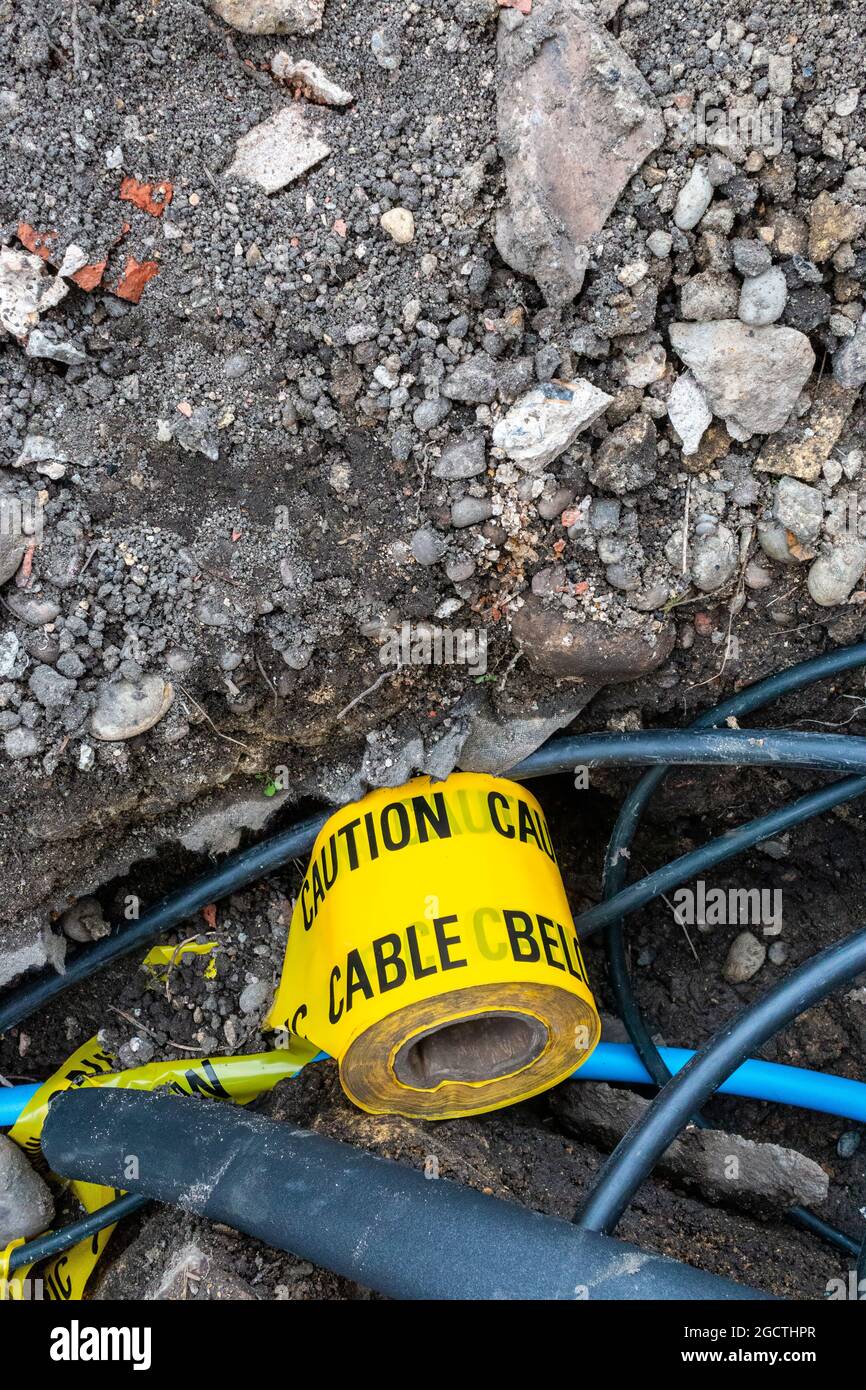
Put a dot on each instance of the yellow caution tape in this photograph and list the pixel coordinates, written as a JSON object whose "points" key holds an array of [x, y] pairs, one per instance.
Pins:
{"points": [[432, 951], [13, 1287], [64, 1277], [167, 955]]}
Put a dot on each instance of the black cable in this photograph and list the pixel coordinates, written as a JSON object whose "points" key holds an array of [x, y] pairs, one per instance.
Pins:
{"points": [[746, 701], [229, 877], [638, 1152], [861, 1269], [55, 1242], [382, 1224]]}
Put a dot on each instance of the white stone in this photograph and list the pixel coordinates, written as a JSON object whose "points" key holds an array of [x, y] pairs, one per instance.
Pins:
{"points": [[544, 422], [694, 199], [312, 82], [688, 412], [127, 708], [399, 224], [763, 297], [278, 151]]}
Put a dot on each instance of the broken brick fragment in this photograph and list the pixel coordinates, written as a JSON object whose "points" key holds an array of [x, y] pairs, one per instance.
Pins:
{"points": [[39, 243], [89, 276], [134, 278], [149, 197]]}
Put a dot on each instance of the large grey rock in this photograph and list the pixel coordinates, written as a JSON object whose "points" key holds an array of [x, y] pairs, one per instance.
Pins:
{"points": [[26, 1205], [587, 651], [576, 120], [763, 1178], [751, 377], [271, 16]]}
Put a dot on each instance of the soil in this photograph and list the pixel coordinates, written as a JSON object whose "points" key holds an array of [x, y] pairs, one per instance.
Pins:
{"points": [[247, 458]]}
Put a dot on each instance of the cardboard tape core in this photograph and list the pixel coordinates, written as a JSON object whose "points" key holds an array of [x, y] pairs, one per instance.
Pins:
{"points": [[432, 951], [471, 1049]]}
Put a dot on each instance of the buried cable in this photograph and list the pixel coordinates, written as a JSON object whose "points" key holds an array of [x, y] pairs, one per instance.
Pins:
{"points": [[638, 1152], [380, 1223]]}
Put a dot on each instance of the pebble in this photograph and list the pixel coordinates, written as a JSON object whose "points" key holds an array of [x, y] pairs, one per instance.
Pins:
{"points": [[715, 559], [750, 257], [694, 199], [799, 508], [833, 576], [659, 244], [473, 382], [127, 708], [848, 1143], [399, 224], [849, 363], [688, 412], [21, 743], [544, 422], [463, 459], [52, 690], [710, 295], [745, 958], [427, 546], [255, 997], [763, 298], [469, 511]]}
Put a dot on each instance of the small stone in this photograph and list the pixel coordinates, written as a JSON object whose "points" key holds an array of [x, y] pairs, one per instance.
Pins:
{"points": [[473, 382], [271, 16], [750, 257], [427, 546], [627, 459], [11, 551], [463, 459], [26, 1204], [848, 1143], [831, 223], [710, 295], [470, 511], [85, 921], [694, 199], [659, 243], [127, 708], [799, 508], [52, 690], [20, 743], [780, 73], [255, 997], [430, 413], [715, 560], [278, 151], [763, 298], [399, 224], [385, 47], [9, 649], [849, 363], [309, 81], [834, 575], [544, 422], [745, 958], [688, 412]]}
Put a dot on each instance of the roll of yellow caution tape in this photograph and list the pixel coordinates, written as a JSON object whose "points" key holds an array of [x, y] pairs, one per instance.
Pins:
{"points": [[433, 953]]}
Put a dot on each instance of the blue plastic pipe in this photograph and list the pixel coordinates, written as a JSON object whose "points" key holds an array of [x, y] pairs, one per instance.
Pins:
{"points": [[756, 1080]]}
